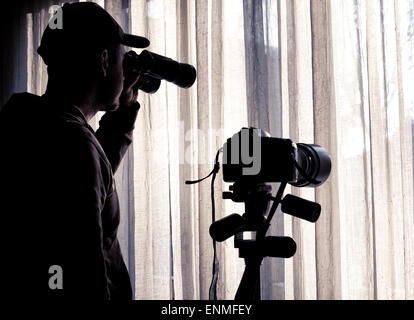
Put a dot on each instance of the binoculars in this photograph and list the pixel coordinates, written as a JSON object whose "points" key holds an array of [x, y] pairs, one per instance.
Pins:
{"points": [[152, 68]]}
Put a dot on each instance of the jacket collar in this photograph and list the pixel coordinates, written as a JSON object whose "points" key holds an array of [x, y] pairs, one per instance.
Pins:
{"points": [[62, 107]]}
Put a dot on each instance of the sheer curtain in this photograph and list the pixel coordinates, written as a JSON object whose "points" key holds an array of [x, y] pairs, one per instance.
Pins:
{"points": [[335, 73]]}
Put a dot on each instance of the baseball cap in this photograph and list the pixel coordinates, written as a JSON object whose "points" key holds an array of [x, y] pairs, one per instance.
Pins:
{"points": [[84, 25]]}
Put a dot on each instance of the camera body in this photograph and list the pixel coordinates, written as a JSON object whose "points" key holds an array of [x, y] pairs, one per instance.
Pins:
{"points": [[272, 157], [253, 156]]}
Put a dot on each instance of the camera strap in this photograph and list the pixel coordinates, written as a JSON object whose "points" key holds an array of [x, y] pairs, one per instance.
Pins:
{"points": [[214, 171], [212, 294], [216, 265]]}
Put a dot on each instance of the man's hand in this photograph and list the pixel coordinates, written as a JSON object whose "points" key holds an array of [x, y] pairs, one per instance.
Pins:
{"points": [[129, 93]]}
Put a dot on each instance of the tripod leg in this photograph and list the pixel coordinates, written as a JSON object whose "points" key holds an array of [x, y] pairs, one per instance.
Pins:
{"points": [[249, 288]]}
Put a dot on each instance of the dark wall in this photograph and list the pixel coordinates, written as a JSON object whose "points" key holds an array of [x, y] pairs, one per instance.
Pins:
{"points": [[13, 41]]}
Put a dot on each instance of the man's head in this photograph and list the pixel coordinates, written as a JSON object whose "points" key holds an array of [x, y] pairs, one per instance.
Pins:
{"points": [[84, 53], [110, 76]]}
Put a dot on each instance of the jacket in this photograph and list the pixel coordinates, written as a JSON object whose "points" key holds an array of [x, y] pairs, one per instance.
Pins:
{"points": [[58, 201]]}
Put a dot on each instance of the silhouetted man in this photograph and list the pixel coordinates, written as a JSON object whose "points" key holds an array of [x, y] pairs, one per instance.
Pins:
{"points": [[58, 202]]}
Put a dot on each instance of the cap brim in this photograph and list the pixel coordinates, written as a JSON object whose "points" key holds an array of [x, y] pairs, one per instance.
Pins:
{"points": [[131, 40]]}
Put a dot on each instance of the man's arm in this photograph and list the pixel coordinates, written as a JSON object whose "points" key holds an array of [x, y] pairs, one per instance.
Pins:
{"points": [[115, 132], [115, 128]]}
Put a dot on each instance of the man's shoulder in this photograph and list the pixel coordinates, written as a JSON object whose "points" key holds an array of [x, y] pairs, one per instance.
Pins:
{"points": [[48, 130], [53, 122], [23, 97], [19, 103]]}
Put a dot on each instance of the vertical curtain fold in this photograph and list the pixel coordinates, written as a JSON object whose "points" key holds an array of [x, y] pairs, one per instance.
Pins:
{"points": [[185, 232], [327, 270], [263, 94], [300, 129]]}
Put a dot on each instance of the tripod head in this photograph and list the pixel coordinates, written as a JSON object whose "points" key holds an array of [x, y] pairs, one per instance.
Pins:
{"points": [[249, 230], [257, 199]]}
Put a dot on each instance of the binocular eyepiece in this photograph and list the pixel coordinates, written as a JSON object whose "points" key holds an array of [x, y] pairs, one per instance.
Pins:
{"points": [[152, 68]]}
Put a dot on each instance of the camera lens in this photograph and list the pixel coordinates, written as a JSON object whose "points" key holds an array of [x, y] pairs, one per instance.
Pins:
{"points": [[315, 163]]}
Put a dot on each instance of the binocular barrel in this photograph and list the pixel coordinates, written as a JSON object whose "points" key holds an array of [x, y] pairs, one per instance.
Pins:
{"points": [[152, 68]]}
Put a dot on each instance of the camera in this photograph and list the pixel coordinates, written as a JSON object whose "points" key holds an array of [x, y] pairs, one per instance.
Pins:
{"points": [[251, 160], [253, 156], [152, 68]]}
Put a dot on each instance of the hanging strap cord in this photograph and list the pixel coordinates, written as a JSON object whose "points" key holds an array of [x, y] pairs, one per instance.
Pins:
{"points": [[216, 266], [215, 170]]}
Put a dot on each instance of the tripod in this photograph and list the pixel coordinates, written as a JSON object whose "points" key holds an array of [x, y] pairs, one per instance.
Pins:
{"points": [[257, 198]]}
